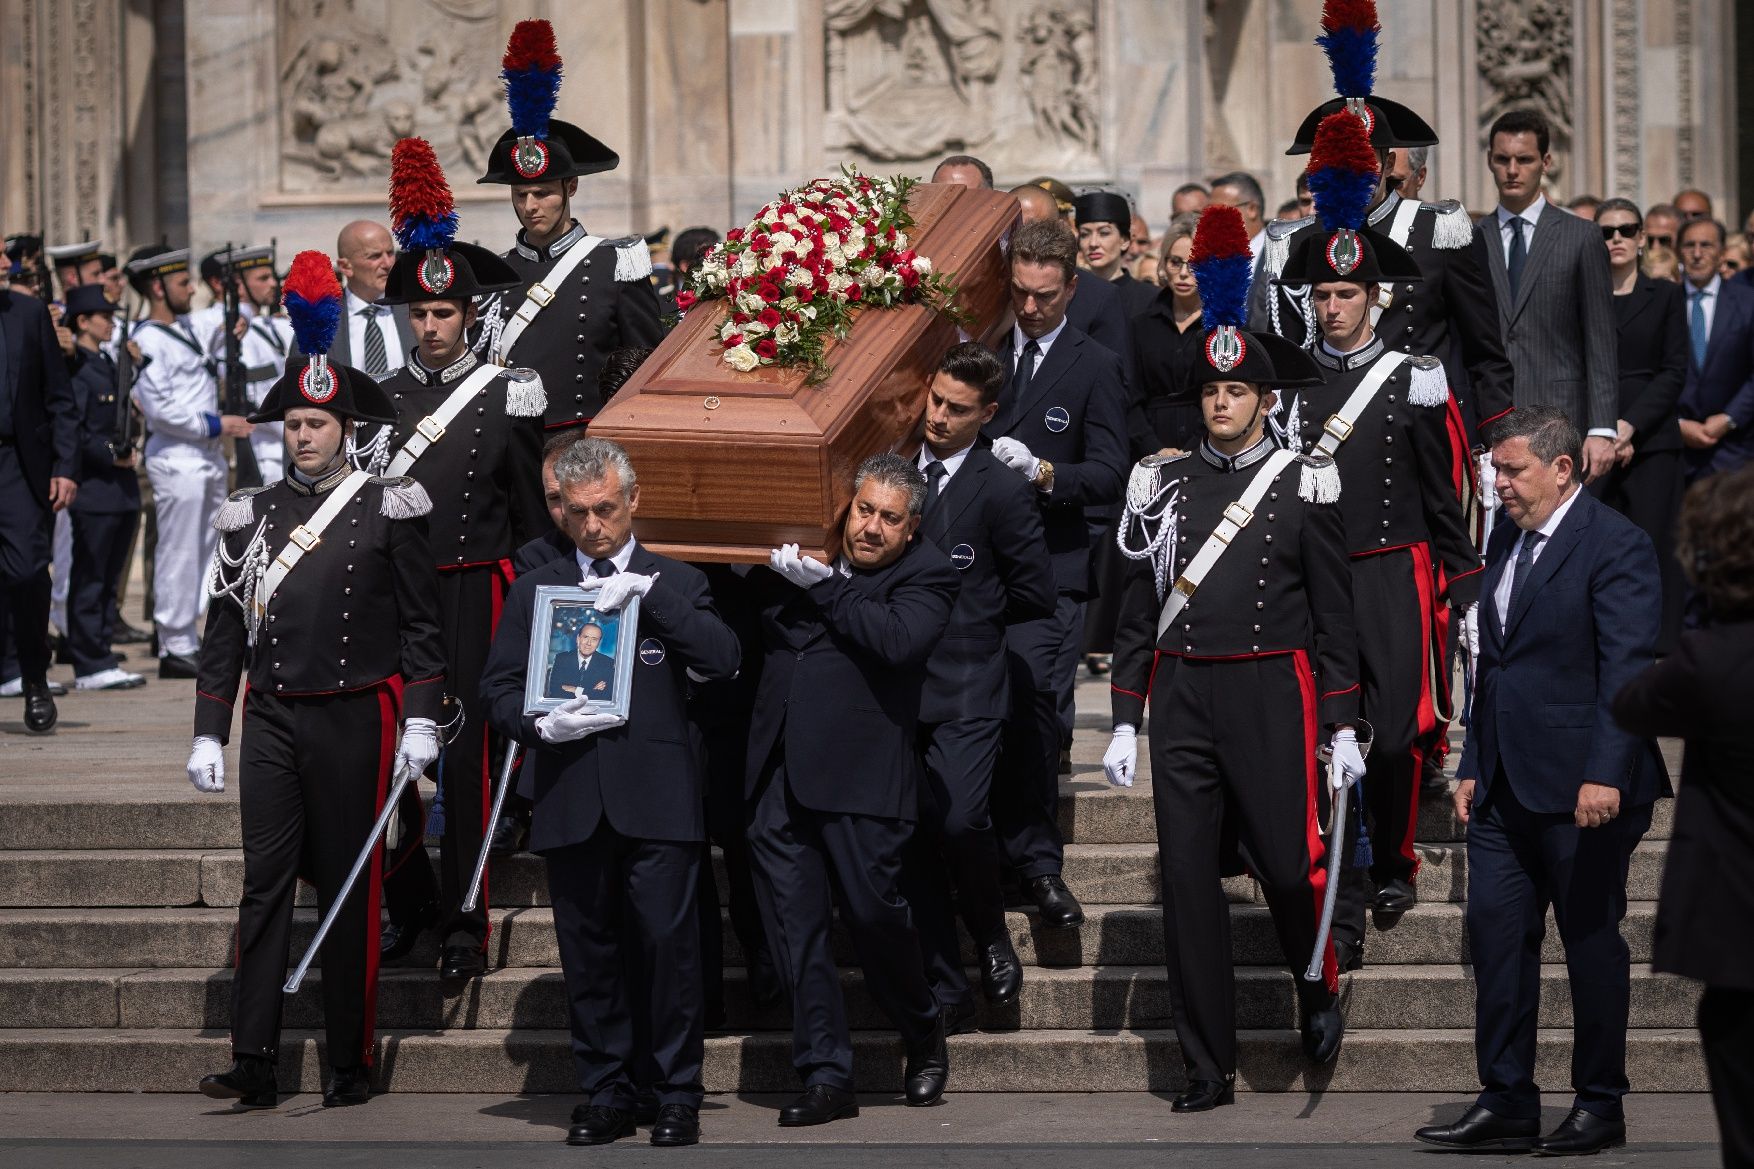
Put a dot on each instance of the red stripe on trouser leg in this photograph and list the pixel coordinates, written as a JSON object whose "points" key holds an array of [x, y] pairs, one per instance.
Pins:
{"points": [[1433, 631], [501, 582], [389, 713], [1318, 854]]}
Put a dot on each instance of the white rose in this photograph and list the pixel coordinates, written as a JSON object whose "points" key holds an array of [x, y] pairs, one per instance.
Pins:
{"points": [[808, 312], [750, 302], [799, 278], [741, 358], [922, 265], [786, 333], [783, 241]]}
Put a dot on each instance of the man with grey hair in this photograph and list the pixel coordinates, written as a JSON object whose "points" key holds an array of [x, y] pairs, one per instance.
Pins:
{"points": [[834, 777], [622, 857], [1554, 792], [1408, 170]]}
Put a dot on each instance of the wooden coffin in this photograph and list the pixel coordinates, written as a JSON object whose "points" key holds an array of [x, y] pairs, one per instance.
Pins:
{"points": [[733, 464]]}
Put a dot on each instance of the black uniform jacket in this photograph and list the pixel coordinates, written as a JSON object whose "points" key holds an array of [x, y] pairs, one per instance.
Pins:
{"points": [[1074, 414], [104, 488], [359, 609], [592, 315], [1398, 468], [484, 474], [841, 679], [1455, 303], [645, 776], [550, 546], [985, 521], [1282, 586], [35, 392]]}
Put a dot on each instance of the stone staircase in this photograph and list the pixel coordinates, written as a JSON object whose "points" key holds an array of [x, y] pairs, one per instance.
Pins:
{"points": [[117, 913]]}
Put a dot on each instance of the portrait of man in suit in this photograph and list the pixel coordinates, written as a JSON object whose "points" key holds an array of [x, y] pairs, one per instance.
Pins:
{"points": [[582, 669]]}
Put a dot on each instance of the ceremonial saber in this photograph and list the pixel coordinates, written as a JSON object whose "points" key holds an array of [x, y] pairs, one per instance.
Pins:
{"points": [[1336, 846], [505, 785], [371, 843]]}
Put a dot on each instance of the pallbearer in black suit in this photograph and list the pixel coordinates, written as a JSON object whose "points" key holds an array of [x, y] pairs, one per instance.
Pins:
{"points": [[579, 297], [1385, 417], [834, 776], [1241, 689], [983, 517], [322, 597], [107, 508], [619, 816], [470, 433], [1061, 424]]}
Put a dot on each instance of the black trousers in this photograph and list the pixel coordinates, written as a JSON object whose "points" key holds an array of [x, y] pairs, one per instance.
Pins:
{"points": [[626, 908], [727, 745], [1392, 600], [952, 864], [312, 773], [1519, 863], [1648, 492], [101, 543], [26, 528], [806, 864], [1726, 1030], [1233, 761], [1042, 656]]}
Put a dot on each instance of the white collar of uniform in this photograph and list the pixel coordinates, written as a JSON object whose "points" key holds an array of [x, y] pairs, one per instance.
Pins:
{"points": [[1383, 210], [552, 251], [355, 304], [1530, 215], [620, 559], [1552, 525], [1045, 341], [951, 462]]}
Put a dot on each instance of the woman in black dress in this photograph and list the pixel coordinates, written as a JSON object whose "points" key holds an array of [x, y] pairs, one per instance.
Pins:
{"points": [[1645, 484], [1167, 338]]}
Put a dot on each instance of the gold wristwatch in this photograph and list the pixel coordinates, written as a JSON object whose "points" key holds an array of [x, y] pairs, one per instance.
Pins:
{"points": [[1044, 475]]}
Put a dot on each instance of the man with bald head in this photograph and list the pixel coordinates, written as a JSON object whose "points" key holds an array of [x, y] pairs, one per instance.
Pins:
{"points": [[1096, 307], [964, 170], [372, 337]]}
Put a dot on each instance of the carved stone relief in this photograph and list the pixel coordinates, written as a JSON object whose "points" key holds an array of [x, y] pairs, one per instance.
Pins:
{"points": [[351, 85], [913, 80], [1628, 135], [1524, 53]]}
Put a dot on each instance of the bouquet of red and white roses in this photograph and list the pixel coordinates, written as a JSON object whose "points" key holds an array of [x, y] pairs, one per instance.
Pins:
{"points": [[806, 262]]}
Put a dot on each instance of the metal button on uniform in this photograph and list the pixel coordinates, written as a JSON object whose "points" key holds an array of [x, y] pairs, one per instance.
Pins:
{"points": [[462, 539], [346, 616], [273, 617], [1270, 517], [280, 685], [1388, 482], [1257, 629], [1382, 539], [1389, 438], [468, 474], [1255, 648], [344, 642], [348, 591], [354, 522], [465, 495], [344, 661], [477, 432], [581, 298], [1272, 497], [578, 377], [1385, 523], [1390, 418], [1388, 461], [352, 543], [1260, 604], [581, 316], [1260, 584], [1268, 537], [579, 357], [581, 338], [479, 411], [1386, 503], [1391, 399], [273, 641], [1263, 562], [274, 507], [276, 665]]}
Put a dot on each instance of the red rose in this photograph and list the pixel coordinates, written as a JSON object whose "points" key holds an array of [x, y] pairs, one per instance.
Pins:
{"points": [[684, 301], [768, 292], [770, 316], [734, 340], [909, 278], [805, 294], [760, 243], [855, 293], [735, 234], [766, 348]]}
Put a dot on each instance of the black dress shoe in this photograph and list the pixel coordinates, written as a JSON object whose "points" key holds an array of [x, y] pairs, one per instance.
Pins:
{"points": [[1205, 1095], [677, 1124], [177, 666], [1582, 1132], [250, 1082], [399, 938], [819, 1104], [1323, 1028], [126, 634], [39, 707], [959, 1018], [1480, 1128], [928, 1070], [347, 1086], [1348, 956], [508, 836], [1059, 909], [1001, 972], [1395, 897], [594, 1124], [461, 963], [645, 1106]]}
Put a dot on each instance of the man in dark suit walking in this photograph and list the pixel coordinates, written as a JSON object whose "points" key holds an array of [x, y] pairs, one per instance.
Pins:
{"points": [[983, 517], [1061, 424], [1717, 402], [1555, 794], [833, 779], [619, 815]]}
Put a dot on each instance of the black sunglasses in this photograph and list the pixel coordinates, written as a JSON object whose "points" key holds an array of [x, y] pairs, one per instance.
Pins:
{"points": [[1660, 241], [1623, 230]]}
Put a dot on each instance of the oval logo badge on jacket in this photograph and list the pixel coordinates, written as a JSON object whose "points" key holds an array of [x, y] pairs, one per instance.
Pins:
{"points": [[962, 556], [1057, 419], [651, 651]]}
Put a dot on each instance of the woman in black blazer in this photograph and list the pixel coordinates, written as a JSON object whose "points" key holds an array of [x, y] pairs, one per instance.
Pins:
{"points": [[1701, 694], [1167, 338], [1645, 484]]}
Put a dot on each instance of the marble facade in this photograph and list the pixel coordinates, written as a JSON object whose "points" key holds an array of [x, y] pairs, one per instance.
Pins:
{"points": [[213, 120]]}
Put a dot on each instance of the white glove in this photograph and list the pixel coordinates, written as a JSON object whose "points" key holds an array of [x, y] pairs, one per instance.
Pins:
{"points": [[1348, 756], [418, 749], [801, 571], [207, 764], [1016, 456], [1121, 761], [1471, 630], [618, 588], [571, 721]]}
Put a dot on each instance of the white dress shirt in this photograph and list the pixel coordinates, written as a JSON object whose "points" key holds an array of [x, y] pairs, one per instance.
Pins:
{"points": [[952, 463], [1045, 341], [1501, 595], [1708, 302], [386, 323], [1530, 215], [619, 559]]}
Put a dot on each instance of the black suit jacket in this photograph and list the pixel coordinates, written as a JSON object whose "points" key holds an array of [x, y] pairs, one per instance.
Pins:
{"points": [[1651, 323], [1098, 311], [1074, 415], [1725, 383], [985, 521], [544, 549], [1701, 694], [841, 676], [596, 680], [645, 776], [45, 418]]}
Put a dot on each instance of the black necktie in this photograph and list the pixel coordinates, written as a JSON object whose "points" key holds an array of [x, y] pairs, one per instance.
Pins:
{"points": [[1519, 254], [377, 362], [1519, 572], [602, 567], [935, 473], [1025, 369]]}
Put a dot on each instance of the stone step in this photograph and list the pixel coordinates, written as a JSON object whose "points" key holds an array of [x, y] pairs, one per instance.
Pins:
{"points": [[508, 1062], [1111, 935], [1053, 999], [1099, 874]]}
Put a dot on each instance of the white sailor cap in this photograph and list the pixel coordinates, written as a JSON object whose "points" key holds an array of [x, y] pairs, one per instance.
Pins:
{"points": [[159, 263], [67, 254]]}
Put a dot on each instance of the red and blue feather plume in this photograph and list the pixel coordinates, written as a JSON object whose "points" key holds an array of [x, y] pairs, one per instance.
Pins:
{"points": [[312, 296], [1342, 171], [1349, 38], [1222, 266], [531, 68], [422, 213]]}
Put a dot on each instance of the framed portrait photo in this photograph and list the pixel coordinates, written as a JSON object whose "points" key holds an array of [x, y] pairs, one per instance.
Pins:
{"points": [[576, 650]]}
